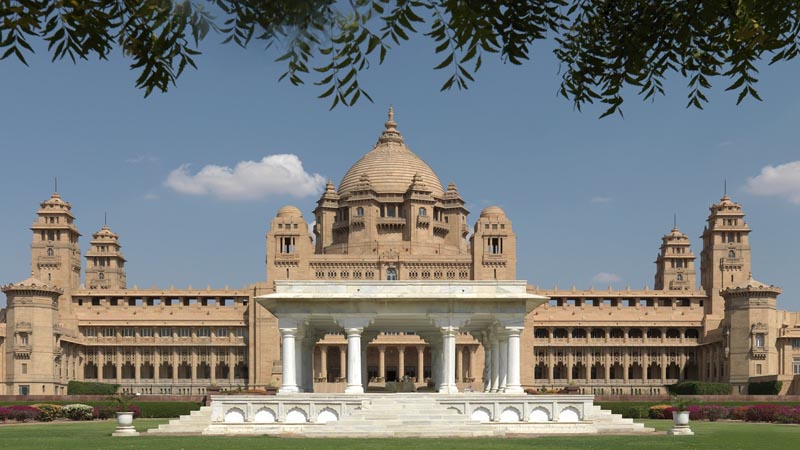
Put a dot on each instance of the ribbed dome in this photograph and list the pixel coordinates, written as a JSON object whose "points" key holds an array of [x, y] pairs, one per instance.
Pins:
{"points": [[391, 166], [289, 211], [492, 211]]}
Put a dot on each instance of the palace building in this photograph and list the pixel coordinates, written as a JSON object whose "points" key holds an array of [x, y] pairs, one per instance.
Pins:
{"points": [[395, 285]]}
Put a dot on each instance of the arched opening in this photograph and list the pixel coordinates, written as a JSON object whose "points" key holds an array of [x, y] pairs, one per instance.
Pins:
{"points": [[391, 274]]}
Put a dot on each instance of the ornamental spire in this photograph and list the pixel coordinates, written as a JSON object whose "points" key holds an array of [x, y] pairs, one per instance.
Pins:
{"points": [[390, 134]]}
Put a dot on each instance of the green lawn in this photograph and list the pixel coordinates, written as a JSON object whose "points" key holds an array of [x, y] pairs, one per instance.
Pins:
{"points": [[97, 435]]}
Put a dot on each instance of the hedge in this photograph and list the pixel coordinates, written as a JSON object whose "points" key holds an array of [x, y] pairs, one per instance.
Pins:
{"points": [[91, 388], [631, 410], [699, 388], [764, 388]]}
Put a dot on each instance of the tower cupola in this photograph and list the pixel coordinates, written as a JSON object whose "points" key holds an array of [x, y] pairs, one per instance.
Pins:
{"points": [[55, 253], [675, 263], [105, 265]]}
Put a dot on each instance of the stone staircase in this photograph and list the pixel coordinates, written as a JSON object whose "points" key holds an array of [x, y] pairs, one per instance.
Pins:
{"points": [[607, 422], [194, 423], [402, 416]]}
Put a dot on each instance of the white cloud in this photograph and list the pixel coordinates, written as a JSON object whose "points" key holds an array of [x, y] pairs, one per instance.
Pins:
{"points": [[151, 196], [600, 199], [605, 277], [248, 180], [777, 181]]}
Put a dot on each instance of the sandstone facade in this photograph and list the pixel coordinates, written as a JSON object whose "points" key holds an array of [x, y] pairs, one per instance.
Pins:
{"points": [[391, 219]]}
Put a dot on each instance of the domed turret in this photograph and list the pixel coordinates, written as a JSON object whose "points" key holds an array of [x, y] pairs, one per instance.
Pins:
{"points": [[105, 264], [490, 211]]}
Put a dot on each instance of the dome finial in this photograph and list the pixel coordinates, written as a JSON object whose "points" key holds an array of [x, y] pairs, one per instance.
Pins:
{"points": [[390, 134]]}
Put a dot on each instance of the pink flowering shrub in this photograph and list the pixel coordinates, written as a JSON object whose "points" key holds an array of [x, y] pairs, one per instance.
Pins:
{"points": [[23, 413]]}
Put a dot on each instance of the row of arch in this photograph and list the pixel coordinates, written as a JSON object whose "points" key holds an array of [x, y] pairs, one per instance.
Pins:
{"points": [[479, 414], [613, 333], [127, 371]]}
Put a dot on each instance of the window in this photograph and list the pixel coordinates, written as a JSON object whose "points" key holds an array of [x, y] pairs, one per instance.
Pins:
{"points": [[731, 254], [796, 365], [165, 332], [101, 276], [24, 389], [90, 332], [759, 340], [184, 332], [494, 246], [423, 212], [108, 332], [359, 212], [795, 343], [146, 332], [680, 277], [203, 332], [222, 332], [241, 332], [128, 332], [50, 252], [391, 274], [23, 339]]}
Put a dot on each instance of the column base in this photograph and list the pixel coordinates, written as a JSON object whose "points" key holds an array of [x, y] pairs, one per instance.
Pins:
{"points": [[514, 390], [356, 389], [679, 430], [445, 389], [288, 390], [125, 431]]}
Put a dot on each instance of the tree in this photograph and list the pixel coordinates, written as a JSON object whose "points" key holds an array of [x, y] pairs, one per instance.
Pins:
{"points": [[603, 46]]}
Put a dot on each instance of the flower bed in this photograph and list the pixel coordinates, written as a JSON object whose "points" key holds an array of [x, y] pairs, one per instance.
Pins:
{"points": [[753, 413], [48, 412]]}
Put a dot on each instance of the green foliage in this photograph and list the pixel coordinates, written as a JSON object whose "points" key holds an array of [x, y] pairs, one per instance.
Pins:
{"points": [[91, 388], [167, 409], [49, 412], [699, 388], [631, 410], [603, 47], [764, 388]]}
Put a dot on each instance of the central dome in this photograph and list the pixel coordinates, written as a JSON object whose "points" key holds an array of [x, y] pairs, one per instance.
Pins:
{"points": [[390, 166]]}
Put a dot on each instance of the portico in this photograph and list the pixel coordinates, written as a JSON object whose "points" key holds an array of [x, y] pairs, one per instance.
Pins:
{"points": [[491, 311]]}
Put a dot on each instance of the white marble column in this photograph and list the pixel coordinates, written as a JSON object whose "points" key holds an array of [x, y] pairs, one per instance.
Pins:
{"points": [[354, 385], [487, 366], [503, 363], [289, 377], [448, 385], [299, 361], [512, 384], [495, 365]]}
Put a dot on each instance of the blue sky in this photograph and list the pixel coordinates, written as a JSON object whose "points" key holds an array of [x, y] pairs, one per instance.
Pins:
{"points": [[589, 198]]}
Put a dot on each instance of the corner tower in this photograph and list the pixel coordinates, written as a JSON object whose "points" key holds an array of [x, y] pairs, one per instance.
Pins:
{"points": [[725, 258], [675, 263], [494, 246], [55, 253], [105, 265]]}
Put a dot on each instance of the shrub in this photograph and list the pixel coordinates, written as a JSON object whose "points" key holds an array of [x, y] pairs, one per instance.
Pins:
{"points": [[762, 413], [738, 412], [23, 413], [712, 413], [699, 388], [764, 388], [91, 388], [4, 413], [167, 409], [78, 412], [789, 415], [103, 412], [659, 412], [49, 412]]}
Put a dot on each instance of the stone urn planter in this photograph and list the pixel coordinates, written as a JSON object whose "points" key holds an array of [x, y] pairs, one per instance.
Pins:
{"points": [[680, 418], [125, 424], [124, 415]]}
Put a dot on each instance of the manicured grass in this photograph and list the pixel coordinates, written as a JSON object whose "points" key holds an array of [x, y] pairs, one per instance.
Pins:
{"points": [[97, 435], [149, 409]]}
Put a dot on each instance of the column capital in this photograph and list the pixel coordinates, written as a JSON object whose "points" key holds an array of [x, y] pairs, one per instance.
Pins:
{"points": [[358, 322]]}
